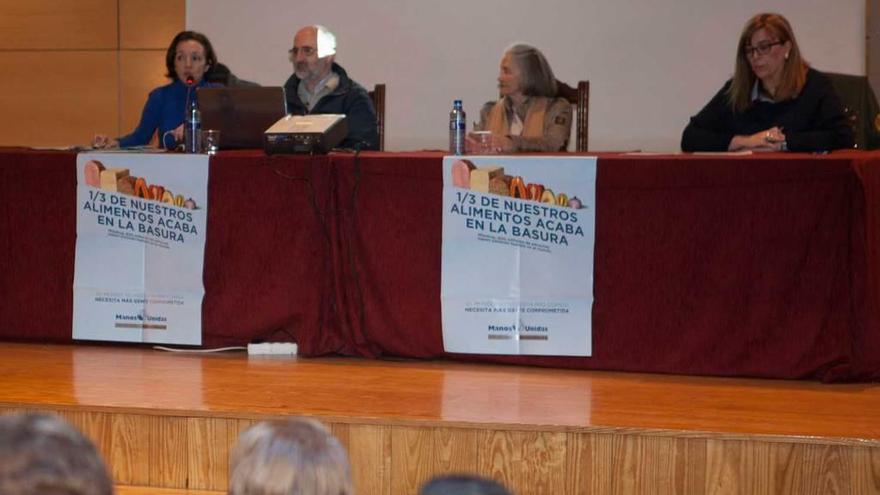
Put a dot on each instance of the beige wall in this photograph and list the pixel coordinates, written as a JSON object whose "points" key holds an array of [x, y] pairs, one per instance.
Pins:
{"points": [[872, 39], [71, 69]]}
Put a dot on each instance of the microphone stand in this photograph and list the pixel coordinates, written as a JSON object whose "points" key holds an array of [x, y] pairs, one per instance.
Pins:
{"points": [[190, 82]]}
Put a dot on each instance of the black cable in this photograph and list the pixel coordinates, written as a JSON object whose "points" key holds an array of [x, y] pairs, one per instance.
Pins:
{"points": [[352, 261], [325, 231], [350, 228]]}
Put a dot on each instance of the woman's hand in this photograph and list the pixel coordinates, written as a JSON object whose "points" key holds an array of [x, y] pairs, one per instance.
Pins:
{"points": [[485, 143], [178, 134], [473, 144], [101, 141], [772, 139]]}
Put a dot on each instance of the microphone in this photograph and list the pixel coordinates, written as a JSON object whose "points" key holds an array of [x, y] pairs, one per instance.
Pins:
{"points": [[190, 81]]}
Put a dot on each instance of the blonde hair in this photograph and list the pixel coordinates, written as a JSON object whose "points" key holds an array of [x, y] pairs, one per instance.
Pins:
{"points": [[794, 72], [290, 457]]}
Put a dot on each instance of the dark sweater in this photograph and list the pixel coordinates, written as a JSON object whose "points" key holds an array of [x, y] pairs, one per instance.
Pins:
{"points": [[812, 121], [349, 98]]}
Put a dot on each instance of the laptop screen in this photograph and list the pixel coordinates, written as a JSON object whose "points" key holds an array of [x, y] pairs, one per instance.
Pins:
{"points": [[241, 114]]}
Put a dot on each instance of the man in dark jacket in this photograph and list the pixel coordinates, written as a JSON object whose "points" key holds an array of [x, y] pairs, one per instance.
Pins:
{"points": [[319, 85]]}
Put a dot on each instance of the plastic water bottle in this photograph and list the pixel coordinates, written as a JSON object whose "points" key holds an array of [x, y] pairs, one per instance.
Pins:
{"points": [[457, 128], [192, 142]]}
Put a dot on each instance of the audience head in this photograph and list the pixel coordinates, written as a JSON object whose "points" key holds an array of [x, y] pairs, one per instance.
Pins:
{"points": [[190, 54], [767, 52], [313, 53], [295, 456], [42, 455], [525, 72], [462, 484]]}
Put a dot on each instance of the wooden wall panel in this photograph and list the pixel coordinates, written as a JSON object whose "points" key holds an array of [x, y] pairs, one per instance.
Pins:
{"points": [[731, 469], [57, 98], [413, 458], [865, 470], [179, 452], [419, 454], [455, 450], [141, 72], [580, 461], [58, 25], [735, 467], [150, 24], [168, 466], [130, 449], [526, 461], [690, 470], [234, 429], [643, 464], [65, 78], [98, 427], [208, 448], [805, 468], [148, 490], [369, 449]]}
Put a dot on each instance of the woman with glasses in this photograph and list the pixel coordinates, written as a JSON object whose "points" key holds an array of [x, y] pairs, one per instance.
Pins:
{"points": [[189, 61], [774, 102], [529, 116]]}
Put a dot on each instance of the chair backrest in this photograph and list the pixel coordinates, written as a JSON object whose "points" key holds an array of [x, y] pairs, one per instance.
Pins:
{"points": [[378, 97], [580, 98], [860, 106]]}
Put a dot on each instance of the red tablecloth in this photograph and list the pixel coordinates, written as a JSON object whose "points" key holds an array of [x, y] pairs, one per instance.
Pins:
{"points": [[763, 265]]}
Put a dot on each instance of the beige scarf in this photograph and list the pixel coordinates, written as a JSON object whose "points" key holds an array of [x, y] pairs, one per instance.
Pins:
{"points": [[533, 127]]}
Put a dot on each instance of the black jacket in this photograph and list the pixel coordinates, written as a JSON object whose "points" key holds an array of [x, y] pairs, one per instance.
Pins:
{"points": [[812, 121], [349, 98]]}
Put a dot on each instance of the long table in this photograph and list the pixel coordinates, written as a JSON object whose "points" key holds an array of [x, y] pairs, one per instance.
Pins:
{"points": [[762, 265]]}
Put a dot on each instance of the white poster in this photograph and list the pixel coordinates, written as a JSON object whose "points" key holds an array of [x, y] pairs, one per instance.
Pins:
{"points": [[518, 237], [140, 247]]}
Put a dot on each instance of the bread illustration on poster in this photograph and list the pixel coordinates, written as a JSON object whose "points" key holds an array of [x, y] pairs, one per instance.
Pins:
{"points": [[120, 180], [491, 179]]}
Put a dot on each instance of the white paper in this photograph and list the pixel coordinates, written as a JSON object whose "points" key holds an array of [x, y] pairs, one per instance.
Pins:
{"points": [[138, 272], [517, 274]]}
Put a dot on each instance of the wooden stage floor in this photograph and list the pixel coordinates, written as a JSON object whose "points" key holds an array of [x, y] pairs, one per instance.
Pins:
{"points": [[168, 420]]}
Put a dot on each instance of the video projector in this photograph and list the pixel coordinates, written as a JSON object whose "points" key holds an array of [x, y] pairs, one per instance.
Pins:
{"points": [[308, 134]]}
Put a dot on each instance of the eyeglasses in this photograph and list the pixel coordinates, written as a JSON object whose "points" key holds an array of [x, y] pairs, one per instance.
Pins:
{"points": [[761, 49], [307, 51]]}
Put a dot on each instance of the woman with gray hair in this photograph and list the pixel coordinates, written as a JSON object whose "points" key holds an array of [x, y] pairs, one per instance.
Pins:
{"points": [[42, 454], [528, 116], [293, 456]]}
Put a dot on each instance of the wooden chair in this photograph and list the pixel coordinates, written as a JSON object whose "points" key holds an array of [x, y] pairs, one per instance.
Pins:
{"points": [[580, 98], [378, 97], [860, 106]]}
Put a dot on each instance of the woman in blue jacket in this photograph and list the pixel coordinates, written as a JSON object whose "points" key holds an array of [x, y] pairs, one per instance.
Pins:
{"points": [[189, 61]]}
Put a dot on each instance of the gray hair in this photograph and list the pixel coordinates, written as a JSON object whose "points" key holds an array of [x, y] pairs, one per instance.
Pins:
{"points": [[537, 77], [297, 456], [41, 454]]}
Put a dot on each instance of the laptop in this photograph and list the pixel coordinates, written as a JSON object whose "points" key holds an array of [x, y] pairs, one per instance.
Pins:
{"points": [[241, 114]]}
